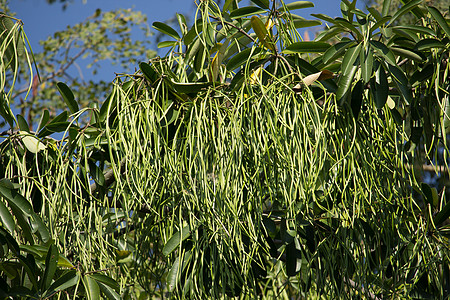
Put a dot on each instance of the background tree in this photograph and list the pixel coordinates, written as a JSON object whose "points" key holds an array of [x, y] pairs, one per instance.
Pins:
{"points": [[241, 165]]}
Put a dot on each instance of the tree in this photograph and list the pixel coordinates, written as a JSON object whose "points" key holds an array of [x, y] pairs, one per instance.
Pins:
{"points": [[95, 40], [246, 162]]}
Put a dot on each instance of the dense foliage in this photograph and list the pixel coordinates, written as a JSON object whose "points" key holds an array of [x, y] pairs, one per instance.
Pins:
{"points": [[246, 162]]}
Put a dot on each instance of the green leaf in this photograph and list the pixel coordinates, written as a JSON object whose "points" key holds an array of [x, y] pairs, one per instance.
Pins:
{"points": [[427, 44], [40, 227], [416, 29], [51, 263], [245, 12], [5, 110], [380, 87], [262, 3], [13, 246], [149, 73], [386, 7], [296, 5], [108, 291], [91, 287], [333, 32], [404, 9], [6, 218], [13, 197], [442, 215], [166, 29], [23, 125], [345, 84], [191, 87], [262, 34], [175, 240], [402, 82], [437, 16], [165, 44], [406, 53], [67, 280], [298, 23], [383, 52], [106, 280], [350, 59], [293, 258], [357, 97], [67, 96], [379, 23], [366, 61], [430, 195], [419, 76], [182, 23], [44, 119], [306, 47]]}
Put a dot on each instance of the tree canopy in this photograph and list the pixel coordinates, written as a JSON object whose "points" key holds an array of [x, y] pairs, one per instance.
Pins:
{"points": [[246, 162]]}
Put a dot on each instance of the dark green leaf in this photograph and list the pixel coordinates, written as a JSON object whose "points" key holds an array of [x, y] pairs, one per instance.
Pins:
{"points": [[366, 61], [437, 16], [262, 3], [241, 58], [296, 5], [298, 23], [191, 87], [67, 96], [6, 218], [40, 227], [404, 9], [13, 197], [401, 81], [51, 263], [386, 7], [5, 110], [23, 125], [336, 50], [149, 73], [442, 215], [420, 76], [427, 44], [306, 47], [380, 87], [345, 84], [293, 258], [357, 96], [332, 32], [383, 52], [246, 11], [350, 59], [166, 29], [106, 280], [44, 120], [406, 53], [175, 240], [108, 291], [416, 29], [67, 280], [380, 23]]}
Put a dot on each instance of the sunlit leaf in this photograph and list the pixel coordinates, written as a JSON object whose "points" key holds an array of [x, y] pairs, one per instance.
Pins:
{"points": [[262, 33], [166, 29], [404, 9]]}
